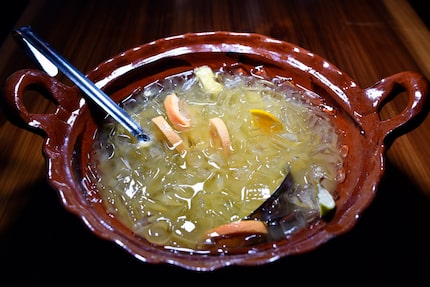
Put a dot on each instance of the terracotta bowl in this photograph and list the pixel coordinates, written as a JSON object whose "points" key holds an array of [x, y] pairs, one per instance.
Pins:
{"points": [[69, 131]]}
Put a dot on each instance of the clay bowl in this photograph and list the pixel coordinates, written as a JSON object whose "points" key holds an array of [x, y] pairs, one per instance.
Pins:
{"points": [[69, 131]]}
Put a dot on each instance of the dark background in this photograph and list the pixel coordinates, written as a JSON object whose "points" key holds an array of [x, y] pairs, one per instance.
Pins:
{"points": [[45, 225]]}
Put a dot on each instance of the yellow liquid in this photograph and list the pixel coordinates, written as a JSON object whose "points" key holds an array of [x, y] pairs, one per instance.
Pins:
{"points": [[172, 198]]}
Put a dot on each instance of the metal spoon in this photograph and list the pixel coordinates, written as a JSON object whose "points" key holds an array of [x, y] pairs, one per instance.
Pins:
{"points": [[50, 61], [268, 211]]}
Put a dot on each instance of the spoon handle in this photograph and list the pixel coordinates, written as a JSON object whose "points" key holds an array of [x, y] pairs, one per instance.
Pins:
{"points": [[48, 59]]}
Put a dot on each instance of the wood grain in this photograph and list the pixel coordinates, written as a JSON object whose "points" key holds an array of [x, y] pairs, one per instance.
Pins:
{"points": [[412, 31], [368, 40]]}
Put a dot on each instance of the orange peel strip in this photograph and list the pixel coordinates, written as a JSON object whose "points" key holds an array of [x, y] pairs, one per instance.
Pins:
{"points": [[177, 112], [237, 228], [171, 135], [219, 133]]}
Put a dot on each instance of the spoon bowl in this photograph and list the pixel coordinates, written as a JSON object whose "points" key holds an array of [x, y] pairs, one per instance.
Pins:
{"points": [[271, 210]]}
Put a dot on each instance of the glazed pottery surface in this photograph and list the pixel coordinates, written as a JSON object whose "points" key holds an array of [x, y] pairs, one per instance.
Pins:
{"points": [[69, 131]]}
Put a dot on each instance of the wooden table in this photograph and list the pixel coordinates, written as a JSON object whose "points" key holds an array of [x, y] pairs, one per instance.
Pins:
{"points": [[368, 40]]}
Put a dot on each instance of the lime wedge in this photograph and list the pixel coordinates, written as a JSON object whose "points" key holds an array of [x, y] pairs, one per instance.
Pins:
{"points": [[325, 200]]}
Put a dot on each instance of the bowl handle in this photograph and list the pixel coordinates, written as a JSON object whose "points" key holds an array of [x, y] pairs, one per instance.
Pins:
{"points": [[66, 99], [416, 87]]}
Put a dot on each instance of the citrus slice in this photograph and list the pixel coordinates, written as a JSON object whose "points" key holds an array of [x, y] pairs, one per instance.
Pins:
{"points": [[171, 135], [266, 120], [177, 112], [219, 133], [325, 200]]}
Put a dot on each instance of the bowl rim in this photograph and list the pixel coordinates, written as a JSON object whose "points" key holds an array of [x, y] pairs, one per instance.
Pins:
{"points": [[237, 43]]}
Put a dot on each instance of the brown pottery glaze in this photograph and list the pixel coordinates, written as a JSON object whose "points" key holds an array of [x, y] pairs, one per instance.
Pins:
{"points": [[69, 131]]}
